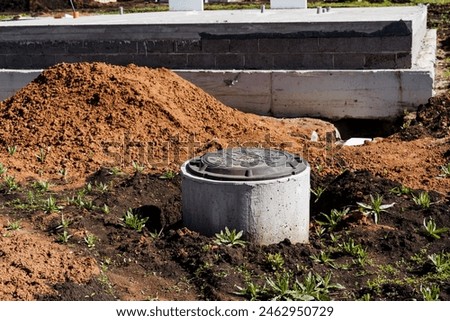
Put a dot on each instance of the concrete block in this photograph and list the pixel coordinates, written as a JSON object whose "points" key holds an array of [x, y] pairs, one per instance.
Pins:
{"points": [[248, 91], [396, 43], [273, 45], [230, 61], [288, 4], [187, 46], [258, 61], [350, 44], [186, 5], [164, 60], [243, 45], [303, 61], [201, 61], [154, 46], [303, 45], [215, 45], [403, 60], [380, 61], [348, 61], [128, 47]]}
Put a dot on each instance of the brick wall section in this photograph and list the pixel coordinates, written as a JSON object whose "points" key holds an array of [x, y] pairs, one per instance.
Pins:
{"points": [[230, 51]]}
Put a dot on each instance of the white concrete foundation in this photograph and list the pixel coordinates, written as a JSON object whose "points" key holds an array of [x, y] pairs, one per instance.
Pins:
{"points": [[186, 5], [288, 4], [266, 211], [332, 94]]}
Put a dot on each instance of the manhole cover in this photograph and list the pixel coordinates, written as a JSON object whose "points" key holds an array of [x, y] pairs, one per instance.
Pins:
{"points": [[246, 164]]}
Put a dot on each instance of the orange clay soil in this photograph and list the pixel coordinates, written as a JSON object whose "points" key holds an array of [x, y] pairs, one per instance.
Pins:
{"points": [[79, 117]]}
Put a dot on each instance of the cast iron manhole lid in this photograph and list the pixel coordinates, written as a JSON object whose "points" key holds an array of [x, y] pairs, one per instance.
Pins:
{"points": [[246, 164]]}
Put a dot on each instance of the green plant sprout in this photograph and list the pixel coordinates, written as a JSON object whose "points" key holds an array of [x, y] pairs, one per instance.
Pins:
{"points": [[101, 187], [14, 226], [355, 250], [440, 262], [445, 170], [317, 192], [64, 237], [423, 200], [105, 209], [12, 150], [10, 184], [134, 221], [432, 230], [138, 168], [332, 220], [3, 169], [64, 223], [156, 234], [42, 155], [41, 186], [229, 238], [275, 261], [90, 240], [430, 293], [168, 175], [51, 206], [323, 258], [375, 207], [400, 190]]}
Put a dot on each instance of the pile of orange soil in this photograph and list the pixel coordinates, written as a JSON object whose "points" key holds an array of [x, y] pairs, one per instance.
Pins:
{"points": [[76, 118]]}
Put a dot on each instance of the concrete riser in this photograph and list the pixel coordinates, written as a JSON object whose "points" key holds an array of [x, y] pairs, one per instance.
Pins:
{"points": [[267, 211]]}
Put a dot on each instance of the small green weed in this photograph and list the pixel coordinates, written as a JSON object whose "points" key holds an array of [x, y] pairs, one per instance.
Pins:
{"points": [[134, 221], [3, 169], [12, 150], [229, 238], [41, 186], [323, 258], [114, 171], [440, 262], [355, 250], [251, 291], [10, 184], [401, 190], [42, 155], [375, 207], [317, 192], [430, 293], [64, 223], [332, 220], [14, 226], [275, 261], [90, 240], [168, 175], [105, 209], [138, 167], [101, 187], [51, 206], [423, 200], [432, 230], [64, 237], [445, 170]]}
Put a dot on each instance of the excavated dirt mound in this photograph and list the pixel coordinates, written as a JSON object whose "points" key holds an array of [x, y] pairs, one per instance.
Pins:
{"points": [[79, 117]]}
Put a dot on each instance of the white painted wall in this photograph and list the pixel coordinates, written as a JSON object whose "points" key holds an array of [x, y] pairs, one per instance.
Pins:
{"points": [[288, 4], [186, 5]]}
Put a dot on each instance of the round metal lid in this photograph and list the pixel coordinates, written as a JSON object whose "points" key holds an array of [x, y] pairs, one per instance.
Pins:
{"points": [[246, 164]]}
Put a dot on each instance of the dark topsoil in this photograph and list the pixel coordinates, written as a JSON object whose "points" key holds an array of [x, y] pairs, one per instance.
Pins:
{"points": [[168, 262]]}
